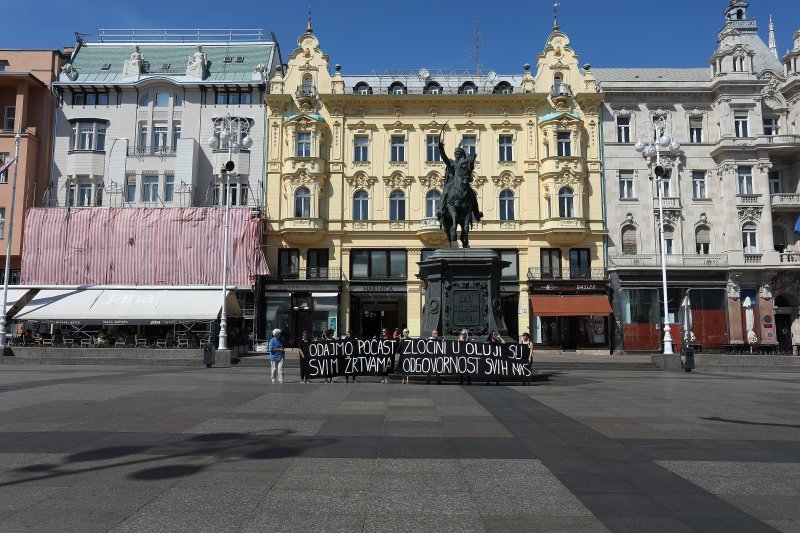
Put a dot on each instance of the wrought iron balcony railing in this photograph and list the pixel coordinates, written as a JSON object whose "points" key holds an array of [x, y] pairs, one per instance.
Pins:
{"points": [[306, 274], [597, 274], [561, 89], [160, 151], [672, 260]]}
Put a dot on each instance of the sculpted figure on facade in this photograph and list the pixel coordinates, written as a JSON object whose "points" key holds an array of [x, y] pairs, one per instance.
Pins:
{"points": [[196, 67], [133, 66]]}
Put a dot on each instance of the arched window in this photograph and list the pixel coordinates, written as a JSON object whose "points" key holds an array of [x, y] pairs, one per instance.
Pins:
{"points": [[779, 238], [557, 83], [397, 205], [433, 88], [433, 201], [468, 88], [361, 205], [566, 203], [308, 84], [702, 238], [302, 203], [397, 88], [750, 238], [146, 101], [629, 239], [506, 205], [503, 88], [362, 88], [669, 238]]}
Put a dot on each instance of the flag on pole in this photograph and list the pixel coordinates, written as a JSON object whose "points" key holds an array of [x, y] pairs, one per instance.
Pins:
{"points": [[797, 225], [7, 164]]}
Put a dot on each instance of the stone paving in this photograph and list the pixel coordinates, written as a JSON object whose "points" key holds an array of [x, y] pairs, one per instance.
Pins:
{"points": [[168, 449]]}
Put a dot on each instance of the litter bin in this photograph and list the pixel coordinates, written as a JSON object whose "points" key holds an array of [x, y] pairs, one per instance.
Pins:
{"points": [[208, 355], [687, 358]]}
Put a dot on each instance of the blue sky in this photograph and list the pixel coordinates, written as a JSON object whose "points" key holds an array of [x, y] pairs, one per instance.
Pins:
{"points": [[363, 36]]}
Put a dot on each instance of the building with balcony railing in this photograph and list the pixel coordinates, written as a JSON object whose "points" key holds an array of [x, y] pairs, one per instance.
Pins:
{"points": [[731, 195], [355, 179]]}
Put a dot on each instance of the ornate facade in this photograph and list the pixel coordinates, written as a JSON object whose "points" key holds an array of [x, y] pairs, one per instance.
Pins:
{"points": [[354, 180], [731, 198]]}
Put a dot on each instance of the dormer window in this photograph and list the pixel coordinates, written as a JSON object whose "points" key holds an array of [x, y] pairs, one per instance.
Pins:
{"points": [[503, 88], [106, 66], [397, 88], [468, 88], [240, 59], [228, 59], [362, 88], [433, 88]]}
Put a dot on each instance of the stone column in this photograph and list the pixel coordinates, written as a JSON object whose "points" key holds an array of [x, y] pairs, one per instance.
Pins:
{"points": [[766, 311], [735, 325], [414, 295]]}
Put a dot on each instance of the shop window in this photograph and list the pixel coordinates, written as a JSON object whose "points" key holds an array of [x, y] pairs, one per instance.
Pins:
{"points": [[378, 264], [289, 264]]}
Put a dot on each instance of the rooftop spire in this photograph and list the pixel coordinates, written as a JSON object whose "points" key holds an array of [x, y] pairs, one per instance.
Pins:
{"points": [[556, 5], [773, 45], [309, 29]]}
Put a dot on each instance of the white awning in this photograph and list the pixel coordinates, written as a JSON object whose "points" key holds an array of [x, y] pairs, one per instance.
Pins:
{"points": [[14, 296], [127, 306]]}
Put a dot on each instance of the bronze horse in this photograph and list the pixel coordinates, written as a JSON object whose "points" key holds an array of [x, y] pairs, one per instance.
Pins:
{"points": [[459, 203]]}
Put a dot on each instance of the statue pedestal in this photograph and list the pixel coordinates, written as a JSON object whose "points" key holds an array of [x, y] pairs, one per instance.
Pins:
{"points": [[462, 291]]}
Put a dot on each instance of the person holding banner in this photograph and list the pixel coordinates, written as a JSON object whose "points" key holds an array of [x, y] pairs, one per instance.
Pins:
{"points": [[464, 337], [276, 355], [434, 337], [406, 336], [526, 339], [385, 336], [302, 349], [494, 338], [349, 337]]}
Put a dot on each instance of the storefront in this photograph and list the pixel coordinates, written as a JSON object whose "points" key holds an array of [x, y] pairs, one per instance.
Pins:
{"points": [[297, 306], [639, 311], [375, 306], [570, 314]]}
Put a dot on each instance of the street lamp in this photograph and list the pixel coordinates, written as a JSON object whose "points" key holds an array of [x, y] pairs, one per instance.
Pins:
{"points": [[17, 139], [232, 131], [660, 140]]}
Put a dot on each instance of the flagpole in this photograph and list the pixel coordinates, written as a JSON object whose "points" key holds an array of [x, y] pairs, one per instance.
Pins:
{"points": [[8, 243]]}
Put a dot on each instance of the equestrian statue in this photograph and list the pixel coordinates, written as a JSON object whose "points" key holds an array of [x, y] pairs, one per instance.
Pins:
{"points": [[459, 202]]}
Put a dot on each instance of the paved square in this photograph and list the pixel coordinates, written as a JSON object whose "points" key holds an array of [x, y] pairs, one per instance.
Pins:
{"points": [[165, 449]]}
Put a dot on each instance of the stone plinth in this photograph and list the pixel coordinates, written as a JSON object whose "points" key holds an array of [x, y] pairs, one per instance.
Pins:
{"points": [[462, 291]]}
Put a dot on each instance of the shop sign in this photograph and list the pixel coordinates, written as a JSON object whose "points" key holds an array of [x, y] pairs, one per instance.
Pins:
{"points": [[378, 287]]}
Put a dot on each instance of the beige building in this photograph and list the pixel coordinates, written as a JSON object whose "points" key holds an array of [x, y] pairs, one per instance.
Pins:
{"points": [[354, 180]]}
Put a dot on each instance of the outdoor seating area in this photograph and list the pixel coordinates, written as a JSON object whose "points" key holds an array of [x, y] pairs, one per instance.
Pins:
{"points": [[83, 338]]}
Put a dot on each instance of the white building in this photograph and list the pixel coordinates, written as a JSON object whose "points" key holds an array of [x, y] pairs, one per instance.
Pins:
{"points": [[731, 198], [134, 119]]}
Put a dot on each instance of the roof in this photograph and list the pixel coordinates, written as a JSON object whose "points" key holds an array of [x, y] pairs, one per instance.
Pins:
{"points": [[763, 59], [27, 76], [652, 74], [416, 81], [170, 60]]}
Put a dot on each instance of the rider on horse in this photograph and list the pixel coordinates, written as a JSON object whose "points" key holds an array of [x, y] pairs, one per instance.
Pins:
{"points": [[456, 171]]}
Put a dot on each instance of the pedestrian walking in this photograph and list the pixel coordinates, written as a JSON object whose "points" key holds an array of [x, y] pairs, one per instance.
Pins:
{"points": [[302, 348], [276, 355]]}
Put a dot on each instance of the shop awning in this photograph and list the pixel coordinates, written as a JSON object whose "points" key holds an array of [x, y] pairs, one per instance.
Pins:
{"points": [[15, 296], [127, 306], [577, 305]]}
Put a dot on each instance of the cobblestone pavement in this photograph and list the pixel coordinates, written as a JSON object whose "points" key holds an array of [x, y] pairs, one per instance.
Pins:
{"points": [[155, 449]]}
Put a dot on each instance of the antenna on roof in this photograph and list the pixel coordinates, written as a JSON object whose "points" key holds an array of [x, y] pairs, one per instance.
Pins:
{"points": [[556, 5], [476, 51], [309, 29]]}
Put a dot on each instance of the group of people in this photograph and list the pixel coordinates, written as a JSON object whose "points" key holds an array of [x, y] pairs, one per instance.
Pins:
{"points": [[277, 353]]}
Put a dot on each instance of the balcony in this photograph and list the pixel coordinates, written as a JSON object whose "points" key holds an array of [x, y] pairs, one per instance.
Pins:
{"points": [[156, 151], [556, 165], [669, 203], [561, 91], [565, 231], [595, 274], [786, 202], [779, 143], [790, 258], [303, 231], [430, 233], [748, 199], [306, 95], [753, 259], [308, 274], [673, 261]]}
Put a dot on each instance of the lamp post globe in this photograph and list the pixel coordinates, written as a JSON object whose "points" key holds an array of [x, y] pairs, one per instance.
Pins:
{"points": [[639, 146], [247, 142], [225, 136]]}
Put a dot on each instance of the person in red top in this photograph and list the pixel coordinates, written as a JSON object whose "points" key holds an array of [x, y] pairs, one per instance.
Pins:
{"points": [[395, 334]]}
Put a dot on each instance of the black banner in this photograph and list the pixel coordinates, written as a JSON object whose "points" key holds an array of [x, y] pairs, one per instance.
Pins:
{"points": [[417, 357], [420, 357], [349, 358]]}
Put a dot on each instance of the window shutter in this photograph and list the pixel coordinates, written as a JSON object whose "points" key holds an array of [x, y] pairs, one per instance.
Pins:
{"points": [[703, 236], [629, 240]]}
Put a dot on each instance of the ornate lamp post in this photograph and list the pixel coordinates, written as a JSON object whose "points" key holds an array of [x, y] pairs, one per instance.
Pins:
{"points": [[232, 131], [660, 140], [17, 139]]}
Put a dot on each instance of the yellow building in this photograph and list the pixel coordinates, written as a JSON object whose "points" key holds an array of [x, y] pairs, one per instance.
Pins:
{"points": [[354, 179]]}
